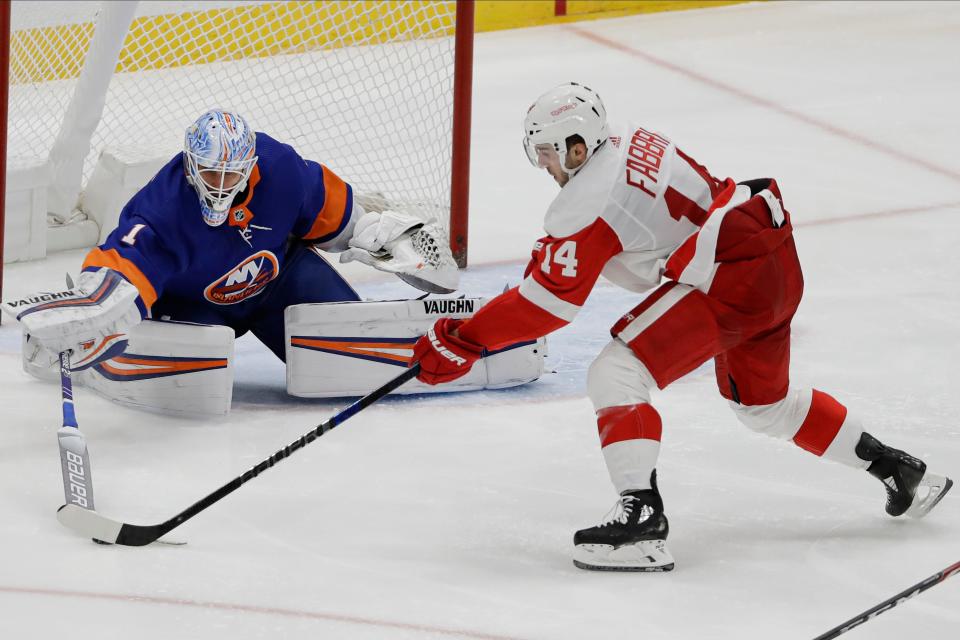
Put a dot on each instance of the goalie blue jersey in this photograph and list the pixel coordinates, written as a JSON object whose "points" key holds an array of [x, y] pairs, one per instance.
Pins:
{"points": [[163, 246]]}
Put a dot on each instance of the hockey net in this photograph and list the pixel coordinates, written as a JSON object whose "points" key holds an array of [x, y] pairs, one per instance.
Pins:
{"points": [[365, 87]]}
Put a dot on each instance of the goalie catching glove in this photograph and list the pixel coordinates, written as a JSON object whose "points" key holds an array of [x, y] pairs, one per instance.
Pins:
{"points": [[413, 248], [444, 356], [90, 319]]}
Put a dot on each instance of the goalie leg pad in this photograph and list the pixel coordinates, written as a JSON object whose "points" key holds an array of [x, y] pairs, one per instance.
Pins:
{"points": [[175, 368], [344, 349]]}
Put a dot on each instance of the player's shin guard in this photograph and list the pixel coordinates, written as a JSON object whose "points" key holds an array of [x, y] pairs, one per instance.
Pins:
{"points": [[819, 424], [619, 384], [813, 420], [828, 430]]}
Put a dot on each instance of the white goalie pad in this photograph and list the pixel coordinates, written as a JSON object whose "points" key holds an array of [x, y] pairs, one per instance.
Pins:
{"points": [[350, 348], [175, 368]]}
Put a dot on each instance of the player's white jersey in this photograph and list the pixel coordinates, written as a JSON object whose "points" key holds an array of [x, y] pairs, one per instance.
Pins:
{"points": [[649, 192], [632, 205]]}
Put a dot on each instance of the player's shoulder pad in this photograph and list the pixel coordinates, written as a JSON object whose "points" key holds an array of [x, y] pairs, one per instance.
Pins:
{"points": [[278, 161], [167, 195], [273, 152], [585, 196]]}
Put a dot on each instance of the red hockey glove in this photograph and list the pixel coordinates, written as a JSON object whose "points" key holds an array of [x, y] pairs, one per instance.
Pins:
{"points": [[443, 356]]}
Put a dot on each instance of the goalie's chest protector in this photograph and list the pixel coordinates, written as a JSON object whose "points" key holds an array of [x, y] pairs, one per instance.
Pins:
{"points": [[233, 263]]}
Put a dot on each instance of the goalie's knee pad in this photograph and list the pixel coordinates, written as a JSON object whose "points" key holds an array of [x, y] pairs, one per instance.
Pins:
{"points": [[617, 377], [350, 348], [170, 367]]}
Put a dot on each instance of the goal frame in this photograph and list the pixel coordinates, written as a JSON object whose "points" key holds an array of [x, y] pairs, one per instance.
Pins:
{"points": [[4, 96], [460, 133]]}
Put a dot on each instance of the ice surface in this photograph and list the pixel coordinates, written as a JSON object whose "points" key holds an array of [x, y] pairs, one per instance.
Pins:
{"points": [[452, 517]]}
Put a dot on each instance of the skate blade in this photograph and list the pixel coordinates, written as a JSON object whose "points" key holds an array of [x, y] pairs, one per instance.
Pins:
{"points": [[930, 491], [647, 555]]}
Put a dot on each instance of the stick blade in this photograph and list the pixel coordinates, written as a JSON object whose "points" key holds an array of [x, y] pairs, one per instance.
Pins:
{"points": [[89, 523]]}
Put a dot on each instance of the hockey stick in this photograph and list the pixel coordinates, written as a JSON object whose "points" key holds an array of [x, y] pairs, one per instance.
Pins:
{"points": [[74, 458], [102, 529], [890, 603]]}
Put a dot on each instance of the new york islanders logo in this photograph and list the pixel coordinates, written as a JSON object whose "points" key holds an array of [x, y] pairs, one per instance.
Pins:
{"points": [[245, 280]]}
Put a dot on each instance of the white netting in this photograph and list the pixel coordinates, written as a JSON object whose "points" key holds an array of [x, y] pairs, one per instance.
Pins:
{"points": [[366, 87]]}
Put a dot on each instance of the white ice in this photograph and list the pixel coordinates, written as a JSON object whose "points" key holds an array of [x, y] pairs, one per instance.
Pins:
{"points": [[452, 517]]}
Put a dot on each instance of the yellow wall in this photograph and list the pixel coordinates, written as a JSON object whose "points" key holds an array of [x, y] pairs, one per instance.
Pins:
{"points": [[158, 42], [254, 31], [493, 15]]}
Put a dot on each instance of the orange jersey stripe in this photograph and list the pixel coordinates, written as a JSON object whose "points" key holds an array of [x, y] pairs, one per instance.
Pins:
{"points": [[244, 206], [113, 260], [334, 206]]}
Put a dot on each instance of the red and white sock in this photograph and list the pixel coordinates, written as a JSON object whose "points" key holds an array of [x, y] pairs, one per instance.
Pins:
{"points": [[630, 437], [828, 430]]}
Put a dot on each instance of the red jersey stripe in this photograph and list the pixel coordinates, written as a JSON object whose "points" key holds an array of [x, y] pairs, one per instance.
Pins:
{"points": [[680, 206], [716, 186]]}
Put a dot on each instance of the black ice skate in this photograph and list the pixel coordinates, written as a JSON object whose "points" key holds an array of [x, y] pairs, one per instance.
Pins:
{"points": [[911, 489], [631, 538]]}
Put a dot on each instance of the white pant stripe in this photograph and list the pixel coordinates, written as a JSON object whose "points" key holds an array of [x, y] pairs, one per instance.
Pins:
{"points": [[653, 313]]}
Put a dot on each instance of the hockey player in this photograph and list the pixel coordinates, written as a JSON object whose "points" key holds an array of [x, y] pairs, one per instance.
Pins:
{"points": [[636, 209], [227, 233]]}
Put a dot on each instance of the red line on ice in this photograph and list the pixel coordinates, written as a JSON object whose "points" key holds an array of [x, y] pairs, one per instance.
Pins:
{"points": [[228, 606], [769, 104], [889, 213]]}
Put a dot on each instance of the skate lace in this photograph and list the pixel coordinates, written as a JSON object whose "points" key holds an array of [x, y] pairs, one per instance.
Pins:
{"points": [[620, 513]]}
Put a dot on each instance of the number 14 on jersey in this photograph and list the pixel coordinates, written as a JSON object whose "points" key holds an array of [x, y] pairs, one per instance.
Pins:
{"points": [[565, 256]]}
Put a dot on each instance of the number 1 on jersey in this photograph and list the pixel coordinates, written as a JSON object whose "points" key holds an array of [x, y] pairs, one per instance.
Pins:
{"points": [[131, 236]]}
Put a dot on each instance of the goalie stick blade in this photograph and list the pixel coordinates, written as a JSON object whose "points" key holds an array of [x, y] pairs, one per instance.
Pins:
{"points": [[101, 529], [95, 526]]}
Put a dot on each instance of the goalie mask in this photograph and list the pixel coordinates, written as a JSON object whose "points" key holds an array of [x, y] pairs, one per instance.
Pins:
{"points": [[218, 157], [566, 110]]}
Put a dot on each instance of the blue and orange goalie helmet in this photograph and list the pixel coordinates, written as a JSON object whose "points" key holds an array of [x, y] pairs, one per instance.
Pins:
{"points": [[219, 153]]}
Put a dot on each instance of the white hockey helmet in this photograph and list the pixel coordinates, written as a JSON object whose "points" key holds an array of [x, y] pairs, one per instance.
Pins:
{"points": [[566, 110], [218, 157]]}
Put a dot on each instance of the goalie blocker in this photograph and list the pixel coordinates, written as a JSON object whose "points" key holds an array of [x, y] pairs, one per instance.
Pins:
{"points": [[344, 348]]}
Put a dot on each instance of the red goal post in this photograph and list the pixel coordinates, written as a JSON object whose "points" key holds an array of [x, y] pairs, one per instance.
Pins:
{"points": [[379, 90]]}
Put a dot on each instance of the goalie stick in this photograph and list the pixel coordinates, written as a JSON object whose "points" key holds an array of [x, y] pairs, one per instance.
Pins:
{"points": [[890, 603], [103, 529], [74, 457]]}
